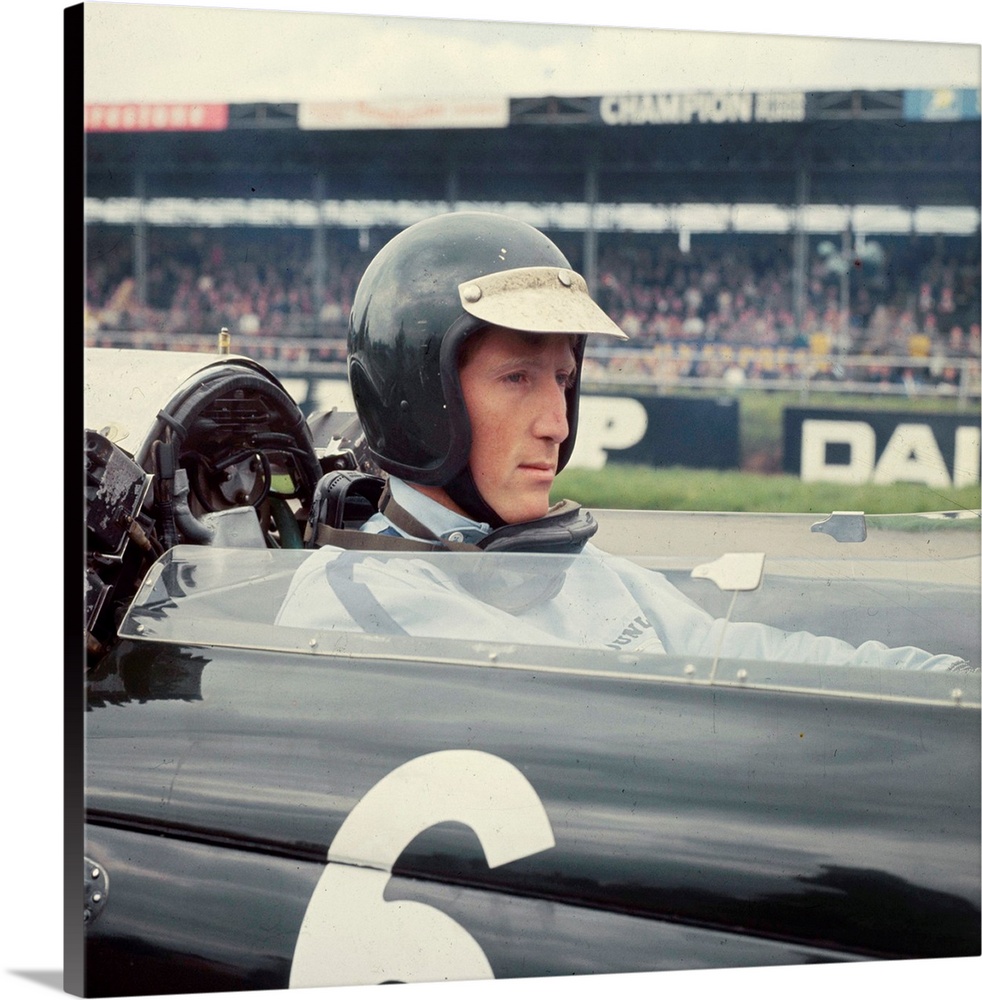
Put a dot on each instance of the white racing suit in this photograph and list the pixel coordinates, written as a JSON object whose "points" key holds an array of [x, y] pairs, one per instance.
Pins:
{"points": [[589, 600]]}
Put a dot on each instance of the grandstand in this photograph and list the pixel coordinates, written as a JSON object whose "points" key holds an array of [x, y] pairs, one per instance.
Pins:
{"points": [[739, 238]]}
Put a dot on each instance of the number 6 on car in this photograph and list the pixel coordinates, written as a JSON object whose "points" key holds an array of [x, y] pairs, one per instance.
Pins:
{"points": [[350, 934]]}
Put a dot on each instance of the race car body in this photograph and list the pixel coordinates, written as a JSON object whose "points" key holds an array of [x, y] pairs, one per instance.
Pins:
{"points": [[273, 804]]}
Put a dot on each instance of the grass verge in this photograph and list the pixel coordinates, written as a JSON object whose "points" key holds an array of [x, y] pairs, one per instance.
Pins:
{"points": [[629, 487]]}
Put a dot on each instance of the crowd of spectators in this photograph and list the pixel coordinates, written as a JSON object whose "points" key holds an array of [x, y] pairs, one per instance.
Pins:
{"points": [[253, 281], [725, 305]]}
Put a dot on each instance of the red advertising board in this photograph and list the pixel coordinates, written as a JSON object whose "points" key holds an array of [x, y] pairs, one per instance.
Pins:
{"points": [[156, 117]]}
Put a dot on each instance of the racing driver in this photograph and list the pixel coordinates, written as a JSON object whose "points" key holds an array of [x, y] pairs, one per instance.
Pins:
{"points": [[465, 347]]}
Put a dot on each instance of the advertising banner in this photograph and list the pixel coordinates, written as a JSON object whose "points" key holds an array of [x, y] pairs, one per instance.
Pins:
{"points": [[703, 107], [942, 104], [411, 113], [856, 446], [659, 431], [156, 117]]}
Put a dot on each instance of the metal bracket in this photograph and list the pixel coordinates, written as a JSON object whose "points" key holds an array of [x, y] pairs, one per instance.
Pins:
{"points": [[843, 526], [733, 571]]}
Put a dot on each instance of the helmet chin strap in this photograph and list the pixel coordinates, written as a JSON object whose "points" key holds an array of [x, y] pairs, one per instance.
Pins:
{"points": [[565, 529], [464, 492]]}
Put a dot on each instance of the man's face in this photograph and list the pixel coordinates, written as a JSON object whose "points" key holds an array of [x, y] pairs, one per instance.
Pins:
{"points": [[514, 387]]}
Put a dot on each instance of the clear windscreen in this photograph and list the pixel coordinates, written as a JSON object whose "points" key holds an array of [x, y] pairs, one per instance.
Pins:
{"points": [[762, 589]]}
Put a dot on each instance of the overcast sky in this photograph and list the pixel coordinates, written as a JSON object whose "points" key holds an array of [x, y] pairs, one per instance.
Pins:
{"points": [[222, 52]]}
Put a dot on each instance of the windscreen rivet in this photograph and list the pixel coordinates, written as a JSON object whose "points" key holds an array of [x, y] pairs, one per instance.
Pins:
{"points": [[472, 293], [956, 695], [741, 674], [565, 278], [312, 643], [689, 670]]}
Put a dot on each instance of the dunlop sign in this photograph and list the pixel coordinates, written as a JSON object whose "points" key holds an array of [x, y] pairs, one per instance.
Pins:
{"points": [[658, 431], [850, 446]]}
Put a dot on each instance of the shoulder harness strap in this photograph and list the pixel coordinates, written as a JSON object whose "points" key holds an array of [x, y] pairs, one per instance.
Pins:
{"points": [[345, 498]]}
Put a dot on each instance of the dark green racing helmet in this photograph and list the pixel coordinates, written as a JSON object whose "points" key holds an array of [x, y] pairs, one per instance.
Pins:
{"points": [[425, 292]]}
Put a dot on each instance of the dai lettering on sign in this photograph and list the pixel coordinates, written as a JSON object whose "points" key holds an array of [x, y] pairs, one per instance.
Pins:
{"points": [[855, 451]]}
